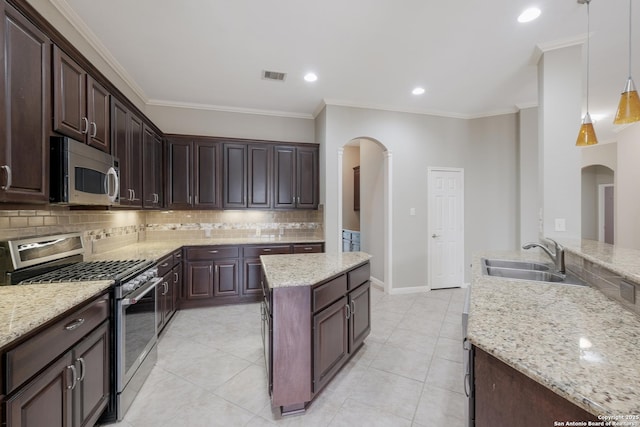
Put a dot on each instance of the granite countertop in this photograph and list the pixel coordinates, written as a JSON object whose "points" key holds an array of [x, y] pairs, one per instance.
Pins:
{"points": [[623, 261], [307, 269], [155, 250], [571, 339], [23, 308]]}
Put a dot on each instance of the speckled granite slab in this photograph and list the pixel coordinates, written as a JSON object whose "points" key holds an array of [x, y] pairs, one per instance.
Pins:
{"points": [[307, 269], [154, 250], [25, 307], [623, 261], [572, 339]]}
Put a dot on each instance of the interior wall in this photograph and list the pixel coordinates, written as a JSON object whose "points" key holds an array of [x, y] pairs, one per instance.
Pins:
{"points": [[627, 227], [350, 159], [529, 211], [485, 148], [372, 212]]}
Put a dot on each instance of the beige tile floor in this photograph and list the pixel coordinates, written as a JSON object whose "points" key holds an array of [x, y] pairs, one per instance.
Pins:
{"points": [[210, 370]]}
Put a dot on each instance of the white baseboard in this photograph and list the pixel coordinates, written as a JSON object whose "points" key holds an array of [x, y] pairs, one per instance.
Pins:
{"points": [[377, 283], [410, 290]]}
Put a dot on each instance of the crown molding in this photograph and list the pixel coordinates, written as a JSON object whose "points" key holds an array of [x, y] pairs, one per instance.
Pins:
{"points": [[227, 109], [541, 48], [76, 22]]}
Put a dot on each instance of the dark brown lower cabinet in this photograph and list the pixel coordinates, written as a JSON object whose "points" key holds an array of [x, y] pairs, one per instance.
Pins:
{"points": [[225, 277], [313, 331], [72, 392], [504, 397]]}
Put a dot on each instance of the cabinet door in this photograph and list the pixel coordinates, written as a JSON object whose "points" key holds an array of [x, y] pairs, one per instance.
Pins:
{"points": [[70, 100], [25, 123], [330, 342], [199, 280], [178, 174], [206, 174], [91, 358], [307, 178], [259, 180], [120, 145], [252, 276], [174, 290], [234, 175], [98, 115], [47, 400], [226, 277], [134, 160], [360, 321], [151, 168], [284, 177]]}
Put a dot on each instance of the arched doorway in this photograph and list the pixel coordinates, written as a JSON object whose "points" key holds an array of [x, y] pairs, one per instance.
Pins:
{"points": [[598, 203], [373, 218]]}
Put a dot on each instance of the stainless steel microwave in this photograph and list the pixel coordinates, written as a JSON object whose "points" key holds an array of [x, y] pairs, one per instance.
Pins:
{"points": [[82, 175]]}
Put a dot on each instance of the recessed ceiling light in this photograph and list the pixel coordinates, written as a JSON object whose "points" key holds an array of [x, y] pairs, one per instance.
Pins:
{"points": [[529, 15], [418, 91], [310, 77]]}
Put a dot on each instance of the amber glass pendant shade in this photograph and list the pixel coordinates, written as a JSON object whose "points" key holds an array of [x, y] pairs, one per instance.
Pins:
{"points": [[587, 135], [629, 106]]}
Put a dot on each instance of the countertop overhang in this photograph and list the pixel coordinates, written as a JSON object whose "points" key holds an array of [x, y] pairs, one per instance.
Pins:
{"points": [[571, 339]]}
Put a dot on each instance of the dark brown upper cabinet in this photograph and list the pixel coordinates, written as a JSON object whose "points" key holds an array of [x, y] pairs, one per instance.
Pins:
{"points": [[296, 177], [193, 171], [151, 169], [81, 104], [126, 134], [24, 110], [247, 175]]}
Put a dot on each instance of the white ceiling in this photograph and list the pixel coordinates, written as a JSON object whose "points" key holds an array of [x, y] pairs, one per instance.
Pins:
{"points": [[472, 57]]}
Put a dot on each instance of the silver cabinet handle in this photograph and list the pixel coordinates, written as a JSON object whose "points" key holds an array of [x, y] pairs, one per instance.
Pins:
{"points": [[348, 311], [8, 185], [134, 195], [353, 308], [467, 389], [217, 270], [196, 199], [308, 249], [74, 376], [83, 369], [94, 132], [85, 122], [175, 277], [166, 288], [213, 252], [435, 236], [266, 250], [75, 324], [166, 264]]}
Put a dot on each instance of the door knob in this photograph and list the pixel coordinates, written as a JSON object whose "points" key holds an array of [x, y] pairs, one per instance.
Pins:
{"points": [[435, 236]]}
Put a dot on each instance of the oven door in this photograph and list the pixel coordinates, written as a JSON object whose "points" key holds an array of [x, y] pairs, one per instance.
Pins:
{"points": [[136, 334]]}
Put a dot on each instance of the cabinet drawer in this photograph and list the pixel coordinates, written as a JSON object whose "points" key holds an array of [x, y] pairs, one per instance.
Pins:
{"points": [[213, 252], [327, 293], [177, 257], [256, 251], [165, 265], [359, 275], [312, 248], [31, 356]]}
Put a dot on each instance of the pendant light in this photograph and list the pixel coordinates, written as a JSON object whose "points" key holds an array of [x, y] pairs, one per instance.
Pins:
{"points": [[629, 106], [587, 135]]}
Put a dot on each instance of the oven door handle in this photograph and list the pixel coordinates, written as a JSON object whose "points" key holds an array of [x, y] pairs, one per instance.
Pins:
{"points": [[135, 297]]}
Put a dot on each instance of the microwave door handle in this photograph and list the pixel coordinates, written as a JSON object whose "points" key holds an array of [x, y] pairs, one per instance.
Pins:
{"points": [[116, 189]]}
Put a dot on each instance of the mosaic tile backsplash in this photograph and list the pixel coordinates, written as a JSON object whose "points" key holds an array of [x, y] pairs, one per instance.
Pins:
{"points": [[106, 230]]}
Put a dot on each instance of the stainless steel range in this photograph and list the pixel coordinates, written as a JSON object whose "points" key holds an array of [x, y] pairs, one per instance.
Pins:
{"points": [[59, 258]]}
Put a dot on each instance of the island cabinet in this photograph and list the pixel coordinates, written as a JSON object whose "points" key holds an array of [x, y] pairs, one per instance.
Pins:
{"points": [[59, 377], [25, 112], [505, 397], [312, 332], [252, 267]]}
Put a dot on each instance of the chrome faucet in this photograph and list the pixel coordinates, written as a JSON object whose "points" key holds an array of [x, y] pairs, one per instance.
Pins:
{"points": [[557, 257]]}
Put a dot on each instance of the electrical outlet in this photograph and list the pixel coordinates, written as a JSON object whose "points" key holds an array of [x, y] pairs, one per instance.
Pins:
{"points": [[561, 224], [412, 211]]}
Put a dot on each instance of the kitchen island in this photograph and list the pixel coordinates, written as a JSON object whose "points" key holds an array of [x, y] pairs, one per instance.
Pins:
{"points": [[572, 340], [316, 315]]}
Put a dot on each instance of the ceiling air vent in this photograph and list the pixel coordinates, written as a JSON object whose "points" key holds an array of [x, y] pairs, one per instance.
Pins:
{"points": [[273, 75]]}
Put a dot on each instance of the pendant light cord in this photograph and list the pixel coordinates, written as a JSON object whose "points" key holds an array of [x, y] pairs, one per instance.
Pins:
{"points": [[629, 39], [588, 38]]}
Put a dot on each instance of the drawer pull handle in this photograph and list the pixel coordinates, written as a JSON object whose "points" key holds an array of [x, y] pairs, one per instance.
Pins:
{"points": [[83, 369], [308, 248], [348, 311], [75, 324], [74, 375], [166, 264], [353, 308], [175, 277], [178, 255], [266, 250], [213, 252]]}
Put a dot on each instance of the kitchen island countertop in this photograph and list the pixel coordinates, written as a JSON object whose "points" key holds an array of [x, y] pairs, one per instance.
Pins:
{"points": [[571, 339], [308, 269]]}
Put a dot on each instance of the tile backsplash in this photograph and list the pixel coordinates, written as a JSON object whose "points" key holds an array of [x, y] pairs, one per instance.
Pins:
{"points": [[106, 229]]}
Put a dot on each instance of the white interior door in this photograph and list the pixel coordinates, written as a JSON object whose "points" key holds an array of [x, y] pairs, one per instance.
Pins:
{"points": [[446, 227]]}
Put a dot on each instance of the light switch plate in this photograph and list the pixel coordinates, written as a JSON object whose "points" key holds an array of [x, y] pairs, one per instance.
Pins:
{"points": [[412, 211], [561, 224]]}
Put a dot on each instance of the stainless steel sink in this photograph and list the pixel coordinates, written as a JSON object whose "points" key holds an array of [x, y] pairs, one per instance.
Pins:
{"points": [[522, 270], [520, 265]]}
